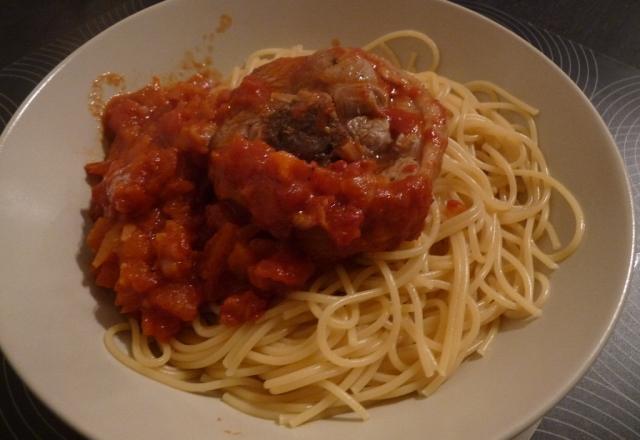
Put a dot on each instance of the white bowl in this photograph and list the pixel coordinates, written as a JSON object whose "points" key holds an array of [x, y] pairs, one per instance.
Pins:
{"points": [[51, 325]]}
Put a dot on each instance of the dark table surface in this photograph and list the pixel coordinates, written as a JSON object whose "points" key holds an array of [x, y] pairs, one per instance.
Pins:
{"points": [[610, 27], [603, 33]]}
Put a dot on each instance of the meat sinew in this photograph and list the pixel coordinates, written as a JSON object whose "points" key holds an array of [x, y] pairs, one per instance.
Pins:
{"points": [[335, 151]]}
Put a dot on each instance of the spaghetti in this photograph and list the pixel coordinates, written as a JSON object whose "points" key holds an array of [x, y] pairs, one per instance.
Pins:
{"points": [[390, 324]]}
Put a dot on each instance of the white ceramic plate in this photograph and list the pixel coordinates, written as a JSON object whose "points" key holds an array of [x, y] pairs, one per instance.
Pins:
{"points": [[52, 322]]}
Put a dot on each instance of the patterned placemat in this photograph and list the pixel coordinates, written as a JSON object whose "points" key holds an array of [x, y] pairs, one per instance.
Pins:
{"points": [[605, 404]]}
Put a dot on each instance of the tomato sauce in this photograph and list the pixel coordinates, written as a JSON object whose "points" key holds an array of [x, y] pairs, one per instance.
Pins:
{"points": [[161, 239], [193, 213]]}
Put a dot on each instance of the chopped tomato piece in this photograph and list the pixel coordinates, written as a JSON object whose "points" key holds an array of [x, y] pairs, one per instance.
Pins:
{"points": [[107, 274], [215, 255], [173, 251], [159, 324], [179, 300], [285, 269], [242, 307], [136, 275]]}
